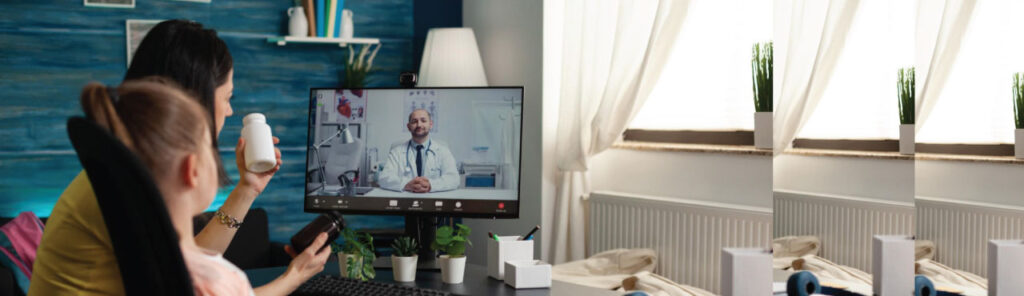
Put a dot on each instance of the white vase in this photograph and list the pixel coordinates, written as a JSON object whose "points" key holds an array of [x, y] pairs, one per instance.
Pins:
{"points": [[763, 130], [343, 263], [907, 139], [1018, 143], [452, 269], [298, 26], [347, 31], [404, 268]]}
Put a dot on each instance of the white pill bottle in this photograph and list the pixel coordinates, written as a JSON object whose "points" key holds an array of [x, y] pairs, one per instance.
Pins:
{"points": [[259, 144]]}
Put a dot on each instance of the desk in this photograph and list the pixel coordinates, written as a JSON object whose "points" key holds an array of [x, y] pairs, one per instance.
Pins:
{"points": [[476, 282]]}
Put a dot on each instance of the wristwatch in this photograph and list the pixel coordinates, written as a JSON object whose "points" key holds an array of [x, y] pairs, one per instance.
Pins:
{"points": [[227, 220]]}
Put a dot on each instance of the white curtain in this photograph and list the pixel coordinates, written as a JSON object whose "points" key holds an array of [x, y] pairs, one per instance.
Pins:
{"points": [[612, 55], [941, 51], [813, 42]]}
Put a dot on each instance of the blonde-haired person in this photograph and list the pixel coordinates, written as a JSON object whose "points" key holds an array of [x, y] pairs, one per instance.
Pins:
{"points": [[169, 133], [75, 255]]}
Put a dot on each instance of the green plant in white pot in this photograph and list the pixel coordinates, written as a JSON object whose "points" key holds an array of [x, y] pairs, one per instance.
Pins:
{"points": [[403, 259], [452, 242], [1018, 113], [761, 65], [356, 256], [905, 94]]}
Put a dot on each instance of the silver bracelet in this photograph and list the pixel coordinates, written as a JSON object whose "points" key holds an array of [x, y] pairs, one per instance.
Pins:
{"points": [[227, 220]]}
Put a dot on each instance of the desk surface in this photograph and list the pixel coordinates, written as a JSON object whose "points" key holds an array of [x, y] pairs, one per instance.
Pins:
{"points": [[476, 282]]}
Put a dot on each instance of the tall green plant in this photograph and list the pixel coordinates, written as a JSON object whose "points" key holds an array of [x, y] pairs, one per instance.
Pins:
{"points": [[358, 69], [359, 266], [762, 71], [905, 92], [1018, 99]]}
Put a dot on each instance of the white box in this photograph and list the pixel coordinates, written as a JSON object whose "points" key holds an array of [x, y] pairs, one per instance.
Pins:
{"points": [[893, 265], [1005, 261], [506, 249], [746, 271], [522, 274]]}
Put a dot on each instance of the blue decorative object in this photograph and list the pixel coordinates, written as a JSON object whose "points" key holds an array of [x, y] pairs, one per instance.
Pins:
{"points": [[802, 283], [923, 286]]}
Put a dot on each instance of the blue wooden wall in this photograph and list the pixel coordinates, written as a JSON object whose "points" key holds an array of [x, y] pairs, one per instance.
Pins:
{"points": [[49, 49]]}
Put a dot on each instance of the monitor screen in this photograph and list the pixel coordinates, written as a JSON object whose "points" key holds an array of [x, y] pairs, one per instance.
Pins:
{"points": [[415, 151]]}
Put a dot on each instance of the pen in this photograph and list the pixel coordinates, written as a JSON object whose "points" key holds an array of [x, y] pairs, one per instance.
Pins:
{"points": [[527, 236], [491, 235]]}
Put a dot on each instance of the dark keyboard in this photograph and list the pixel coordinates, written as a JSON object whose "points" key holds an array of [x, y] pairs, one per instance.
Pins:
{"points": [[336, 285]]}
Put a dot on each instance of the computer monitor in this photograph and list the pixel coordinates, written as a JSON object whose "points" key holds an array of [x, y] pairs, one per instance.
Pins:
{"points": [[451, 151]]}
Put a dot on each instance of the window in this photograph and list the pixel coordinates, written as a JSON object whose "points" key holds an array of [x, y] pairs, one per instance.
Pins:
{"points": [[860, 101], [975, 106], [706, 84]]}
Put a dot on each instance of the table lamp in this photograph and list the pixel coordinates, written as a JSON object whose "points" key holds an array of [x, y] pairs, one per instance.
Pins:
{"points": [[451, 58], [344, 136]]}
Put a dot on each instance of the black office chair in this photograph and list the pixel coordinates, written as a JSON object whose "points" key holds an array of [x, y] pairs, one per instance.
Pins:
{"points": [[145, 243]]}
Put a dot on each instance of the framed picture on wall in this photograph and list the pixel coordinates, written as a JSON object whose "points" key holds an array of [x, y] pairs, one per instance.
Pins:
{"points": [[134, 31], [110, 3]]}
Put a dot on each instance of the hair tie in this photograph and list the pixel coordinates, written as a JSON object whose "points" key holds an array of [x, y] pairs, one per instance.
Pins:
{"points": [[112, 93]]}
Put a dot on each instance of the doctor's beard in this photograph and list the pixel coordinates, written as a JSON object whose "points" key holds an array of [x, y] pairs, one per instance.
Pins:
{"points": [[420, 132]]}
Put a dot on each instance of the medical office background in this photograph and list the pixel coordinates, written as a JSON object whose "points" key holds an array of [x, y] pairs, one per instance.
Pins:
{"points": [[481, 128]]}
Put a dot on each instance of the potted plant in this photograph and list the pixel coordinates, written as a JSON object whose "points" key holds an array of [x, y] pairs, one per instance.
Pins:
{"points": [[452, 242], [1018, 114], [356, 256], [762, 70], [357, 69], [403, 259], [905, 93]]}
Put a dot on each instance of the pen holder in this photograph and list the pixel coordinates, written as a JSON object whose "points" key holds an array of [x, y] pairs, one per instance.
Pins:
{"points": [[525, 274], [507, 248]]}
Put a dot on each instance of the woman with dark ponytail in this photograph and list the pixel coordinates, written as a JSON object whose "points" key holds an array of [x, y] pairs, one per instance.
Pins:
{"points": [[75, 255]]}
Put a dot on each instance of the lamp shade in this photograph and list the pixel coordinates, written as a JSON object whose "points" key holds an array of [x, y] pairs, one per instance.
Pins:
{"points": [[451, 58], [346, 135]]}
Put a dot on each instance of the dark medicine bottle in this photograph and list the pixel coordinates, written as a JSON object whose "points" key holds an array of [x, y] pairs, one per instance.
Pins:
{"points": [[331, 222]]}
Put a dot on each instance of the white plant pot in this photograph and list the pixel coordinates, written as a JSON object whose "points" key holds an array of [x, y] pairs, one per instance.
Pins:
{"points": [[343, 263], [763, 130], [1018, 143], [452, 269], [404, 268], [907, 139]]}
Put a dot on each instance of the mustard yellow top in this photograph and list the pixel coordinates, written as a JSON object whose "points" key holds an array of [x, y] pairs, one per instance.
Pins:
{"points": [[76, 256]]}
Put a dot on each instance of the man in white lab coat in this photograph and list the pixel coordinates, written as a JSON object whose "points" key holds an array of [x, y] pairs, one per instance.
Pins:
{"points": [[420, 165]]}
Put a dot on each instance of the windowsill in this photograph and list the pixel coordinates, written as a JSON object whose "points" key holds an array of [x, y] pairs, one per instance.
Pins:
{"points": [[969, 158], [849, 153], [698, 148]]}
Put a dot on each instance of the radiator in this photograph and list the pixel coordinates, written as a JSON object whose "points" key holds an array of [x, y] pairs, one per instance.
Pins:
{"points": [[844, 224], [961, 230], [688, 235]]}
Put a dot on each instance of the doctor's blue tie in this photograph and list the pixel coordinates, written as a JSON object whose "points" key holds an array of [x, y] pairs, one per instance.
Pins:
{"points": [[419, 160]]}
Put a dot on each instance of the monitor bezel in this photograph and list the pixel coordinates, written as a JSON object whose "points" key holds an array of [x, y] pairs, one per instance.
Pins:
{"points": [[507, 215]]}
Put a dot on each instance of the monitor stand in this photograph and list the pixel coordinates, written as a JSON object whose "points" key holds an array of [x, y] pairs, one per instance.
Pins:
{"points": [[421, 228]]}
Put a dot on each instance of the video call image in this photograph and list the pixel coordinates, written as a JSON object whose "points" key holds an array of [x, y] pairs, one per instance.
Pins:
{"points": [[457, 143]]}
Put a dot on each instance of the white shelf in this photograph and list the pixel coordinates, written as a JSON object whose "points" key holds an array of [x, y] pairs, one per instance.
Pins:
{"points": [[343, 42]]}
